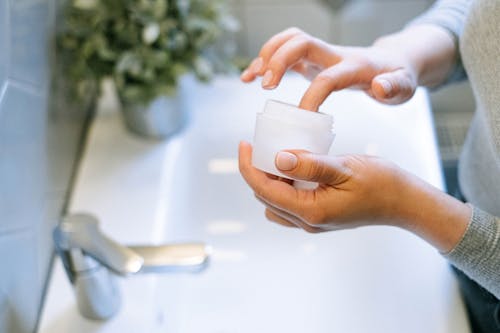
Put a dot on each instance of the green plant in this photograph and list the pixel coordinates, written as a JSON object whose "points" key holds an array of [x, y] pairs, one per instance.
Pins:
{"points": [[144, 45]]}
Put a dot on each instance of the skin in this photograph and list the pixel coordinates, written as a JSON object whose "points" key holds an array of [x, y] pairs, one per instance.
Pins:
{"points": [[389, 70], [349, 194]]}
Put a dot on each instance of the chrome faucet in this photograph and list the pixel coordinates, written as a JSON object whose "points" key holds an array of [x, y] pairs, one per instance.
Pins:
{"points": [[93, 261]]}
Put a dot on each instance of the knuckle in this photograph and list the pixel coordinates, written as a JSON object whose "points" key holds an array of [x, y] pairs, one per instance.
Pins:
{"points": [[294, 30], [365, 64], [349, 163], [316, 170], [277, 65], [323, 78], [302, 40], [407, 85], [404, 78], [409, 77], [322, 82], [280, 61]]}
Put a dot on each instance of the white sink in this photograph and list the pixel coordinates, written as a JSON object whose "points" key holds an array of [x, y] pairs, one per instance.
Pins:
{"points": [[262, 277]]}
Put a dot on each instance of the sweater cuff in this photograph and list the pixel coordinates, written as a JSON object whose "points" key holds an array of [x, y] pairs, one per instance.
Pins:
{"points": [[477, 254]]}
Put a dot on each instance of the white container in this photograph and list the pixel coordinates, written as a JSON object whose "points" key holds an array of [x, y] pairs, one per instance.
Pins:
{"points": [[283, 126]]}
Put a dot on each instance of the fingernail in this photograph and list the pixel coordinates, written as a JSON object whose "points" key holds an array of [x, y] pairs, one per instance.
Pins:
{"points": [[244, 74], [286, 161], [266, 80], [386, 85], [256, 65]]}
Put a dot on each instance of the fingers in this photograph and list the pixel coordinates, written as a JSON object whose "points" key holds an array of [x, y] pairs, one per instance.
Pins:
{"points": [[346, 67], [297, 49], [289, 205], [281, 193], [257, 67], [306, 69], [285, 50], [258, 180], [278, 219], [282, 217], [275, 42], [311, 167], [286, 56], [340, 76], [393, 88], [250, 73], [272, 216]]}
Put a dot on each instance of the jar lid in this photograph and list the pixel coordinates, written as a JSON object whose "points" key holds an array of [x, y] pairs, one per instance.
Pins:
{"points": [[291, 113]]}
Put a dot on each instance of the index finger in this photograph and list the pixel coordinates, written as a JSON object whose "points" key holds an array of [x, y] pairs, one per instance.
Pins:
{"points": [[258, 66], [274, 43], [340, 76]]}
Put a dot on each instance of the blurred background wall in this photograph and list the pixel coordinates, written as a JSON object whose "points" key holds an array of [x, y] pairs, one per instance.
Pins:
{"points": [[39, 144]]}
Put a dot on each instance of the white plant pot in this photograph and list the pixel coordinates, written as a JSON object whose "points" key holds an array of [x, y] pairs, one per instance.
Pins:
{"points": [[162, 118]]}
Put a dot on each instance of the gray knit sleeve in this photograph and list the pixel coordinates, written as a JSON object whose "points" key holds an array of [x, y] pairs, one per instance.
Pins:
{"points": [[478, 252], [449, 15]]}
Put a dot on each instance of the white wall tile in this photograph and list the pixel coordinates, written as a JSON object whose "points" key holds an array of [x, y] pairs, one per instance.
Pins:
{"points": [[237, 9], [358, 22], [38, 147], [50, 215], [262, 20], [19, 290], [4, 42], [362, 21], [29, 41], [22, 157]]}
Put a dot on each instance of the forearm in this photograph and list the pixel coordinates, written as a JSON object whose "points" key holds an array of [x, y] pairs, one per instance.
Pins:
{"points": [[431, 214], [465, 235], [429, 49]]}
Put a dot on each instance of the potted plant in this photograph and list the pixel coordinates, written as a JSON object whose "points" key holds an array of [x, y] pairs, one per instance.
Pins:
{"points": [[145, 47]]}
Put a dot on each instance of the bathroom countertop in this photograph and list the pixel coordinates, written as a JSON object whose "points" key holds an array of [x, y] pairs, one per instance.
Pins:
{"points": [[124, 181]]}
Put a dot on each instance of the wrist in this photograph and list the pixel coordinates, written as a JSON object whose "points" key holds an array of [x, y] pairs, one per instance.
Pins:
{"points": [[431, 214], [399, 47], [429, 50]]}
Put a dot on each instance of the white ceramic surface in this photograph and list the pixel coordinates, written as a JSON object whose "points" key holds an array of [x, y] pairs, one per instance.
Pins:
{"points": [[262, 277]]}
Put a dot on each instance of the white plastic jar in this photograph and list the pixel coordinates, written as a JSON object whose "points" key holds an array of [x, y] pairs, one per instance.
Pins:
{"points": [[283, 126]]}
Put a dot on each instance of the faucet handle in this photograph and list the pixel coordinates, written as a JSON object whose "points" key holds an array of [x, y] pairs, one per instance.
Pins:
{"points": [[81, 231], [87, 254]]}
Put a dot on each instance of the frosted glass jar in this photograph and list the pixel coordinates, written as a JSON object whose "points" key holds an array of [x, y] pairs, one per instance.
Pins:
{"points": [[283, 126]]}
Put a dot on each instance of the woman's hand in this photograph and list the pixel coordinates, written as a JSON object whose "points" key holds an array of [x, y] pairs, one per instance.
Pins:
{"points": [[354, 191], [383, 72], [357, 190]]}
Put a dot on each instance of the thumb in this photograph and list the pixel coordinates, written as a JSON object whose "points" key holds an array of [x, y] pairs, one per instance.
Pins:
{"points": [[303, 165], [394, 87]]}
